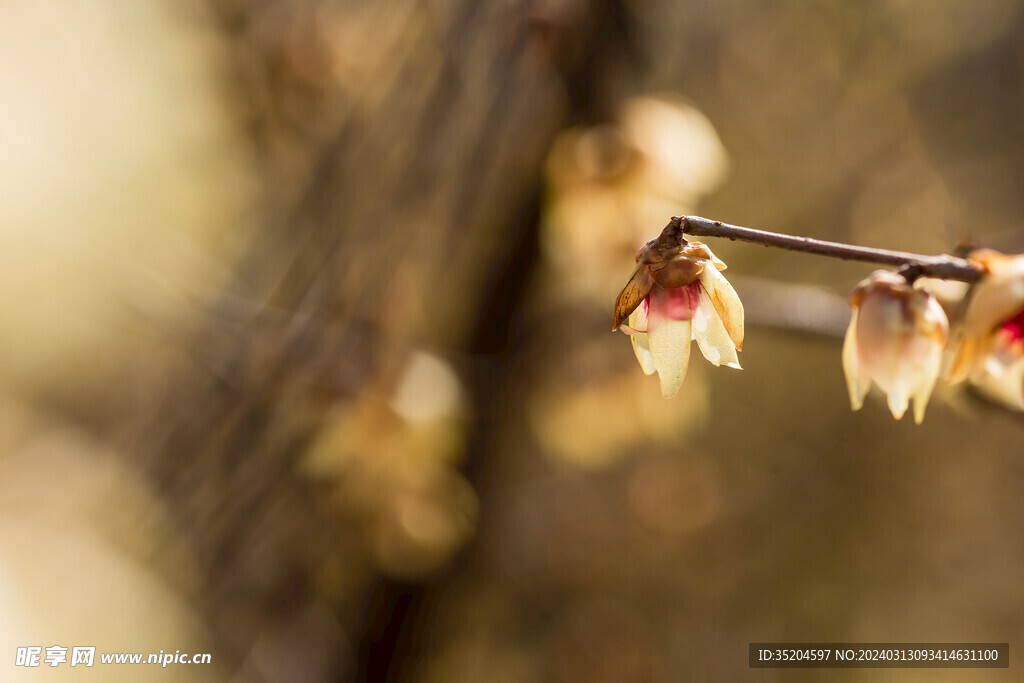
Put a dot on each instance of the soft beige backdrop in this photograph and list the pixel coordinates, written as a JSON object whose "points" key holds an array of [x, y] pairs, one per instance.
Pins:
{"points": [[305, 348]]}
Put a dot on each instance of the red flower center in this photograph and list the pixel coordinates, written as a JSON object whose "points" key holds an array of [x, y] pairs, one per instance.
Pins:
{"points": [[682, 301], [1013, 329]]}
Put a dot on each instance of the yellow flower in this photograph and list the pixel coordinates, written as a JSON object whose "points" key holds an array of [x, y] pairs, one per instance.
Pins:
{"points": [[896, 337], [673, 298], [991, 352]]}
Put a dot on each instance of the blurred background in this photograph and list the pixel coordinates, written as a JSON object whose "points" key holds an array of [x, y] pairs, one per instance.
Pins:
{"points": [[306, 359]]}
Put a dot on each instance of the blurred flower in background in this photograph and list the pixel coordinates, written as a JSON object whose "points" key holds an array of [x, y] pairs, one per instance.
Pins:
{"points": [[608, 184], [391, 461]]}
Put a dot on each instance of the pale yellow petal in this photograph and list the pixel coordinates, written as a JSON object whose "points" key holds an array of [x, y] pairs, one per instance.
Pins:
{"points": [[915, 368], [669, 342], [898, 400], [908, 352], [638, 319], [932, 319], [642, 349], [726, 302], [857, 380], [929, 375], [968, 356], [711, 336], [998, 296], [1006, 386]]}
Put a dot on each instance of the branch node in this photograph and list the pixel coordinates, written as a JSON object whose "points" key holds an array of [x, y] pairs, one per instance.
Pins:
{"points": [[911, 272]]}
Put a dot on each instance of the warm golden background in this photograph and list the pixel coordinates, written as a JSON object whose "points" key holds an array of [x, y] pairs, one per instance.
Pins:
{"points": [[306, 359]]}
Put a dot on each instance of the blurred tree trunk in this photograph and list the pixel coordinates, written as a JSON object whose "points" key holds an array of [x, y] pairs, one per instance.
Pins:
{"points": [[400, 148]]}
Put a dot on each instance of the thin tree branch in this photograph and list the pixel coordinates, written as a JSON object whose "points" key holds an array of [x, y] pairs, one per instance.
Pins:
{"points": [[942, 266]]}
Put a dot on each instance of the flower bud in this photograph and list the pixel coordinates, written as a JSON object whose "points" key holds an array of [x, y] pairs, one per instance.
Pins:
{"points": [[896, 338]]}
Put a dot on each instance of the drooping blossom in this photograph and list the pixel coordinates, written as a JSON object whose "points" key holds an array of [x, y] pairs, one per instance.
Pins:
{"points": [[896, 337], [675, 295], [991, 352]]}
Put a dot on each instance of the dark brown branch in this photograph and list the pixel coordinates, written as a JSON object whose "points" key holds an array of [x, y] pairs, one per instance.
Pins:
{"points": [[941, 266]]}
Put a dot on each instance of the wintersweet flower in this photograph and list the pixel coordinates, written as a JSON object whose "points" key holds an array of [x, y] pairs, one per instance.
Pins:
{"points": [[677, 294], [896, 338], [991, 352]]}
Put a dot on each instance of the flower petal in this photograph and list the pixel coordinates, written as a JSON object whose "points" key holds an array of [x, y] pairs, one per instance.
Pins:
{"points": [[669, 342], [637, 320], [900, 340], [726, 302], [857, 379], [642, 349], [931, 365], [712, 338], [997, 297], [968, 356], [911, 367], [1004, 384], [640, 319], [898, 399]]}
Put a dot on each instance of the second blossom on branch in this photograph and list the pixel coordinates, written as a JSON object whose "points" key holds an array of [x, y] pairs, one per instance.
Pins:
{"points": [[896, 338]]}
